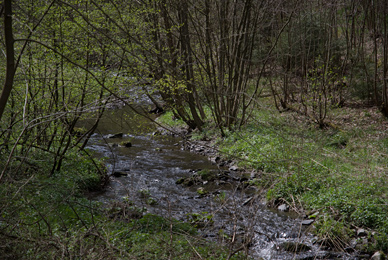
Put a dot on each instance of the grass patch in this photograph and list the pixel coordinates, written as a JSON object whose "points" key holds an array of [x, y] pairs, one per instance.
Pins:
{"points": [[339, 171], [48, 217], [168, 119]]}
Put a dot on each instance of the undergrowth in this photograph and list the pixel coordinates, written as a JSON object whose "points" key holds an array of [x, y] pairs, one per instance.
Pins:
{"points": [[339, 171], [49, 217]]}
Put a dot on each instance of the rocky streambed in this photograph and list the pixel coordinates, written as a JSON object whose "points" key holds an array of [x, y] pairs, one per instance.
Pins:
{"points": [[168, 176]]}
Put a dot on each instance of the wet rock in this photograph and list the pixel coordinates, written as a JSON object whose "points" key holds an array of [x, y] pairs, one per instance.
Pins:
{"points": [[207, 175], [199, 149], [215, 160], [126, 144], [188, 182], [294, 247], [156, 110], [156, 133], [283, 207], [361, 232], [307, 222], [119, 173], [180, 181], [378, 256], [117, 135], [233, 168]]}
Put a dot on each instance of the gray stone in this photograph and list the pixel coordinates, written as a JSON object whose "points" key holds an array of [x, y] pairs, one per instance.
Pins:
{"points": [[117, 135], [283, 207], [307, 222], [119, 174], [361, 232], [233, 168], [215, 160], [199, 149], [126, 144]]}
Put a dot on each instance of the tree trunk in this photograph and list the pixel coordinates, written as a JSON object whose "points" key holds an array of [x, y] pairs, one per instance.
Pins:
{"points": [[9, 48]]}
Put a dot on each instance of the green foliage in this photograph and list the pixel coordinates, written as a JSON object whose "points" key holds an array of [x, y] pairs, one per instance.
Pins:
{"points": [[200, 220], [338, 172], [335, 232], [168, 119], [262, 145], [151, 223], [51, 210]]}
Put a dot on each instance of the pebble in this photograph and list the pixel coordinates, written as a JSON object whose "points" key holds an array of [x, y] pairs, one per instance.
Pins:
{"points": [[307, 222]]}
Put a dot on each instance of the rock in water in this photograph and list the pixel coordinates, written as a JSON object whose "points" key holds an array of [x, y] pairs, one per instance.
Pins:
{"points": [[283, 207], [119, 174], [361, 232], [307, 222], [117, 135], [126, 144], [233, 168]]}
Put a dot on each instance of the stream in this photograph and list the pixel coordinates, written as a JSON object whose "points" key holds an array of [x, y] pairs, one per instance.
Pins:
{"points": [[148, 173]]}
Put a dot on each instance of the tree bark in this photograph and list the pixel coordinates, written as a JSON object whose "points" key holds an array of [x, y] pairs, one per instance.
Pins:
{"points": [[9, 48]]}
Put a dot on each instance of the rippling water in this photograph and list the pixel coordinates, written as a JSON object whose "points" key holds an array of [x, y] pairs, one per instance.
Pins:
{"points": [[155, 163]]}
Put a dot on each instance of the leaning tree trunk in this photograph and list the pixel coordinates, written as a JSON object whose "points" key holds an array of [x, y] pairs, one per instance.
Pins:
{"points": [[9, 48]]}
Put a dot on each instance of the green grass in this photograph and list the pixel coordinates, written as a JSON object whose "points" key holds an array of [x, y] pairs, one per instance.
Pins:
{"points": [[48, 217], [338, 171], [168, 119]]}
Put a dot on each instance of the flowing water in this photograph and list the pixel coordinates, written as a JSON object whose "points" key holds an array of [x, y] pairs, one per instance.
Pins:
{"points": [[152, 166]]}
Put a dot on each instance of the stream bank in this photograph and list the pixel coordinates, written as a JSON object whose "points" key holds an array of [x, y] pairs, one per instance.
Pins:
{"points": [[151, 173]]}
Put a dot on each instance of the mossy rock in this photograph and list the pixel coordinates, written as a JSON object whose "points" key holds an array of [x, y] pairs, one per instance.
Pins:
{"points": [[126, 144], [206, 175], [202, 191]]}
